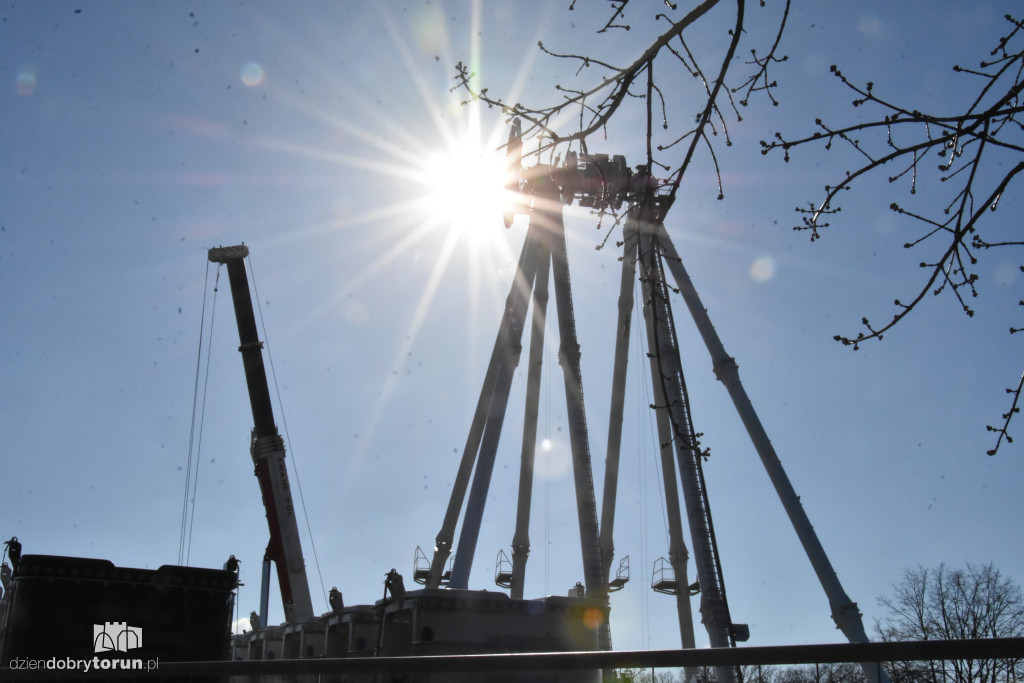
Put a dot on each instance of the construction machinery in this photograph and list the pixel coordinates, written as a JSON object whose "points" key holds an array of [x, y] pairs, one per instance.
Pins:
{"points": [[604, 183]]}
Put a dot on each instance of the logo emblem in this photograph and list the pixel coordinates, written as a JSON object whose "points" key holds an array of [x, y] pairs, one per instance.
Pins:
{"points": [[116, 636]]}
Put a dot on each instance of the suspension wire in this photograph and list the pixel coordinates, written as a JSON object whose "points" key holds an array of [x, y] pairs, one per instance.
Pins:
{"points": [[645, 626], [649, 391], [202, 416], [238, 602], [191, 432], [192, 428], [287, 436], [645, 393], [547, 468]]}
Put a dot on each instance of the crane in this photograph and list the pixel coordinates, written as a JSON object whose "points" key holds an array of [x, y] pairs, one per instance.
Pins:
{"points": [[267, 449]]}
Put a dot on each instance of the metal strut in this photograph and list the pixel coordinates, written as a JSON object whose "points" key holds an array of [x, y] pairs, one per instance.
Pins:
{"points": [[669, 374], [844, 610], [443, 541], [544, 250], [569, 358], [611, 463], [521, 538], [678, 554], [509, 352]]}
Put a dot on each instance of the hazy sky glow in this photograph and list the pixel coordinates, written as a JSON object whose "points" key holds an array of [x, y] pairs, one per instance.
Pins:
{"points": [[136, 136]]}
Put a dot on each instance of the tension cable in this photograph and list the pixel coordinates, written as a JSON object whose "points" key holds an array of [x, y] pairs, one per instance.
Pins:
{"points": [[287, 437], [195, 439]]}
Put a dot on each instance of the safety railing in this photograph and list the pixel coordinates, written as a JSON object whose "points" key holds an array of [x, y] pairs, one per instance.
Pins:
{"points": [[1006, 649]]}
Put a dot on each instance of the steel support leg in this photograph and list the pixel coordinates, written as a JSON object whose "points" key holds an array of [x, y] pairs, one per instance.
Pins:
{"points": [[511, 319], [678, 554], [669, 375], [844, 611], [569, 358], [512, 348], [611, 463], [521, 538]]}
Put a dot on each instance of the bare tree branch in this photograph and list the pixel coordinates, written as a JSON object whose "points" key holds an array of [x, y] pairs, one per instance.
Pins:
{"points": [[972, 145], [598, 102]]}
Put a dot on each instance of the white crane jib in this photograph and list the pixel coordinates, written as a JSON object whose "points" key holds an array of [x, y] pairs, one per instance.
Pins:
{"points": [[267, 448]]}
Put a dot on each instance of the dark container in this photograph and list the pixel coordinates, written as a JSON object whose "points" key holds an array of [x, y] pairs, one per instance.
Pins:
{"points": [[80, 608]]}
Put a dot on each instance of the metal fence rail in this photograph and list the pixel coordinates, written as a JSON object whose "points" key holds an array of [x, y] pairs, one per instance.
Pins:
{"points": [[996, 648]]}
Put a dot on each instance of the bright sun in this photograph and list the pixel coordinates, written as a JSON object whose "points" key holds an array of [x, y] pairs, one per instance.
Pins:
{"points": [[464, 189]]}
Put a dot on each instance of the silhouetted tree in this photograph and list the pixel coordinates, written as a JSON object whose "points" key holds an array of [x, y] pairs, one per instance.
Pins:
{"points": [[638, 675], [950, 604], [842, 672]]}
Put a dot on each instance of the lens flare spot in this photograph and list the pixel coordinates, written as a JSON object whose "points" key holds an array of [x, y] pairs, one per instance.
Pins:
{"points": [[869, 25], [252, 74], [25, 82], [430, 31], [1006, 274], [355, 312], [592, 618], [762, 269], [554, 460]]}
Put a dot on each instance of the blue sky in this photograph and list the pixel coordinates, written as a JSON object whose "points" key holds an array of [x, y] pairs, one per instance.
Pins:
{"points": [[136, 136]]}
